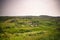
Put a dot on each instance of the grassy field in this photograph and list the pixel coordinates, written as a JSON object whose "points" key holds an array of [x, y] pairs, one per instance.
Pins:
{"points": [[29, 28]]}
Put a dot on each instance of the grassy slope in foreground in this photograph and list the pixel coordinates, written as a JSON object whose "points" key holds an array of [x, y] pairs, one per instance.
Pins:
{"points": [[30, 28]]}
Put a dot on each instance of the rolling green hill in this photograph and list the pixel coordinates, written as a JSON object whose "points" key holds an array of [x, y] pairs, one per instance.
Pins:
{"points": [[29, 28]]}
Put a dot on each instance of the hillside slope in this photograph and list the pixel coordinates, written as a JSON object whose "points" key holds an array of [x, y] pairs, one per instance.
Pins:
{"points": [[29, 28]]}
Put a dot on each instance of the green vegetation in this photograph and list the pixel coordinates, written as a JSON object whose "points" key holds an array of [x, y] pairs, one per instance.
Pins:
{"points": [[29, 28]]}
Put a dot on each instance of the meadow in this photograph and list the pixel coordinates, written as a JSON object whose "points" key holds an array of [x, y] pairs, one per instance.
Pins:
{"points": [[29, 28]]}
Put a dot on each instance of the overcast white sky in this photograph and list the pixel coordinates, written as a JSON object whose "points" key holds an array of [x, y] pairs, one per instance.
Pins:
{"points": [[30, 7]]}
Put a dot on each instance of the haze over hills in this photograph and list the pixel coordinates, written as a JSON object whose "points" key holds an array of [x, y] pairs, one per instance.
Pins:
{"points": [[32, 16]]}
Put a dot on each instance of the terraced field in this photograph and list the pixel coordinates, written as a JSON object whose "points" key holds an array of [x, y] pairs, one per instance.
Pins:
{"points": [[30, 28]]}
